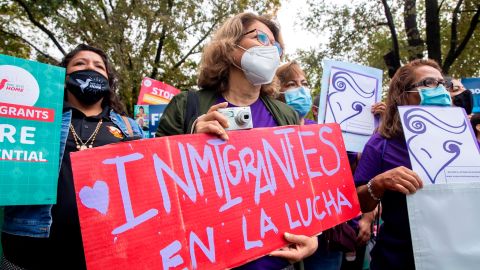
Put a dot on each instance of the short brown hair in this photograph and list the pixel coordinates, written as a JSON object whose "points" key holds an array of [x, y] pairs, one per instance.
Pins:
{"points": [[217, 55], [404, 77], [288, 71]]}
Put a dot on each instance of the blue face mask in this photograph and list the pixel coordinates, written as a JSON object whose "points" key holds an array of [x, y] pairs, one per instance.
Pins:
{"points": [[299, 99], [437, 96]]}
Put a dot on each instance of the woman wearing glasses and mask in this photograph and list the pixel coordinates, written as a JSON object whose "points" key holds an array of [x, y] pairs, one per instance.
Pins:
{"points": [[384, 170], [238, 69]]}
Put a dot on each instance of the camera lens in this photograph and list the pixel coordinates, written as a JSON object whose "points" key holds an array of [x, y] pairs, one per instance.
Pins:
{"points": [[242, 118]]}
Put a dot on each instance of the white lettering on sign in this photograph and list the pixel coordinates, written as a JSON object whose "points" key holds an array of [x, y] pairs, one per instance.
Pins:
{"points": [[132, 220], [161, 92], [226, 171], [171, 258], [475, 91], [297, 219], [9, 131]]}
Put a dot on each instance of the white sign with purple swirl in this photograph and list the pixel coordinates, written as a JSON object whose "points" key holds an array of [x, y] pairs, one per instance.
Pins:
{"points": [[348, 93], [441, 144]]}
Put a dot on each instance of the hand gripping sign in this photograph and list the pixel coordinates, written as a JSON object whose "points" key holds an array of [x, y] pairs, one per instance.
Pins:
{"points": [[198, 202]]}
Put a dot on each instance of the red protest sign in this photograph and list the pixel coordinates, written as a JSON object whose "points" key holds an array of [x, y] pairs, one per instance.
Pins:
{"points": [[196, 201], [154, 92]]}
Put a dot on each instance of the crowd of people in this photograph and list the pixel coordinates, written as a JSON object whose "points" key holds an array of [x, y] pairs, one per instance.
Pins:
{"points": [[240, 66]]}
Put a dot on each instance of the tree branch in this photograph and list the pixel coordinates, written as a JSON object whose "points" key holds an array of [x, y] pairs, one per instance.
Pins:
{"points": [[180, 62], [356, 32], [39, 25], [453, 32], [46, 55], [471, 29], [193, 24], [440, 6], [104, 10], [111, 4]]}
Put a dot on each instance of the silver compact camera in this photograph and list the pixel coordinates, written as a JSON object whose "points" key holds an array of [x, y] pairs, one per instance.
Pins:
{"points": [[238, 117]]}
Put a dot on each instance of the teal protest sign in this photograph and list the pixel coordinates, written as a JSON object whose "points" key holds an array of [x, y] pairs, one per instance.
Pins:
{"points": [[31, 100]]}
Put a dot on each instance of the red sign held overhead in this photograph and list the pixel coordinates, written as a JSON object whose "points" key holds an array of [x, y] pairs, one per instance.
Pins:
{"points": [[154, 92], [195, 201]]}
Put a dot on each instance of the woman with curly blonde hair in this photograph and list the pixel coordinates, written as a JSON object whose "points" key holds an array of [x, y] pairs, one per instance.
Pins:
{"points": [[238, 69]]}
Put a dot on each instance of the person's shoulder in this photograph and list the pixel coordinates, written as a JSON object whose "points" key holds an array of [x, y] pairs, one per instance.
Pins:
{"points": [[286, 110], [281, 105], [205, 93], [180, 100], [376, 141], [309, 122], [119, 116], [202, 94], [181, 95]]}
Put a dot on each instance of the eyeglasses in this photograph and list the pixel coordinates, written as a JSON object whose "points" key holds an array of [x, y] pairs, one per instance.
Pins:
{"points": [[262, 37], [427, 82]]}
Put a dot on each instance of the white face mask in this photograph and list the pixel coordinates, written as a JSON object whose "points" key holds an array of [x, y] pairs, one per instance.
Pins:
{"points": [[260, 63]]}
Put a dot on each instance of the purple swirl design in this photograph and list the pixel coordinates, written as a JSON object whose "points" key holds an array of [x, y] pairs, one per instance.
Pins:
{"points": [[340, 81], [415, 121], [342, 78], [357, 106]]}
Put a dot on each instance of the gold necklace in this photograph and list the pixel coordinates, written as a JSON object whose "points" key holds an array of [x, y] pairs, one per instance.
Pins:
{"points": [[83, 145]]}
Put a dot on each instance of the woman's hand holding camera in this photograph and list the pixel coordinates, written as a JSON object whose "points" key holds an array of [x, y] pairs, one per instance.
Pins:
{"points": [[213, 122]]}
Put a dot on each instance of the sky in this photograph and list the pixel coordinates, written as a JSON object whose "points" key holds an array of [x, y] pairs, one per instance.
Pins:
{"points": [[294, 36]]}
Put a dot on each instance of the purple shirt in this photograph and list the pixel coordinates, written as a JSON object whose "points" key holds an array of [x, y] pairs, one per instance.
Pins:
{"points": [[393, 249], [307, 121], [261, 117]]}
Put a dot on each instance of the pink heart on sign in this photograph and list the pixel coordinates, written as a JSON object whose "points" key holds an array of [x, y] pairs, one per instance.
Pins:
{"points": [[96, 197]]}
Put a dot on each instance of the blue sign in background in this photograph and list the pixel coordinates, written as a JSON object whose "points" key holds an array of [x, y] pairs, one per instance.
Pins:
{"points": [[153, 112], [473, 84]]}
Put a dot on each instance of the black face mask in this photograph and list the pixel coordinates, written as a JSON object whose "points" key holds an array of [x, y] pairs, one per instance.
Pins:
{"points": [[464, 100], [88, 86]]}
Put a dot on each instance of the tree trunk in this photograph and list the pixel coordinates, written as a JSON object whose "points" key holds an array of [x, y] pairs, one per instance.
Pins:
{"points": [[392, 59], [415, 42], [161, 41], [433, 30]]}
